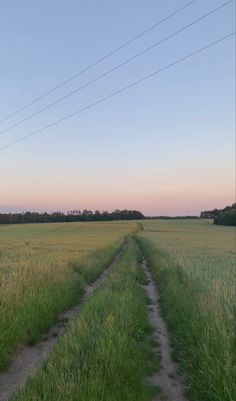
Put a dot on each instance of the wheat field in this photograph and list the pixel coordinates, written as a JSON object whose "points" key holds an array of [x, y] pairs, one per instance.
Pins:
{"points": [[43, 270], [194, 264]]}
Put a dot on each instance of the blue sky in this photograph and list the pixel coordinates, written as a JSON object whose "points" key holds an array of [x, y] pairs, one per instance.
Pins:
{"points": [[165, 146]]}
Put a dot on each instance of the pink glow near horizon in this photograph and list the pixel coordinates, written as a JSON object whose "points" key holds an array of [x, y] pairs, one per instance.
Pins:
{"points": [[172, 200]]}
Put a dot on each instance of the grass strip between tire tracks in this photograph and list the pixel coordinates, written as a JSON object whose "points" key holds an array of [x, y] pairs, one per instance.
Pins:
{"points": [[105, 354]]}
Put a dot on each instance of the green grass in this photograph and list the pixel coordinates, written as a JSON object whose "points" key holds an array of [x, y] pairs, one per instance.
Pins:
{"points": [[194, 265], [43, 270], [105, 354]]}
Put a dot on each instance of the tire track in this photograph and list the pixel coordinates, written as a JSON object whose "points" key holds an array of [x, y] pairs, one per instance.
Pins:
{"points": [[167, 378]]}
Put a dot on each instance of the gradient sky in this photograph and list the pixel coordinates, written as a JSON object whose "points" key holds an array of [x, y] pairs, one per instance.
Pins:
{"points": [[164, 147]]}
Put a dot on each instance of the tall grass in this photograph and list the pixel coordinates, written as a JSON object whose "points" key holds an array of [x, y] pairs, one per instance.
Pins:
{"points": [[197, 286], [43, 270], [104, 354]]}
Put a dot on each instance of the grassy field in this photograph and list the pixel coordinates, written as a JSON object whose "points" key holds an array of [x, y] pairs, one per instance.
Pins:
{"points": [[105, 354], [194, 264], [43, 269]]}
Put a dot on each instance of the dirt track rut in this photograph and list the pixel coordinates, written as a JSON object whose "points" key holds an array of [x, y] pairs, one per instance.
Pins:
{"points": [[167, 378]]}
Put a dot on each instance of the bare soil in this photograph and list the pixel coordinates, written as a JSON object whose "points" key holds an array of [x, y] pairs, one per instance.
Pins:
{"points": [[29, 359], [168, 378]]}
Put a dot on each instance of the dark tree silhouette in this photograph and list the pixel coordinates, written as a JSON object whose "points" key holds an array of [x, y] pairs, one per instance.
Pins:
{"points": [[70, 216]]}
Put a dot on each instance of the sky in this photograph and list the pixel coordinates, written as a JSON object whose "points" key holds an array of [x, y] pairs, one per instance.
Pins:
{"points": [[165, 146]]}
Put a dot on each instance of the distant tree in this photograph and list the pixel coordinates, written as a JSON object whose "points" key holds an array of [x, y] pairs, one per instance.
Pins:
{"points": [[70, 216], [227, 216]]}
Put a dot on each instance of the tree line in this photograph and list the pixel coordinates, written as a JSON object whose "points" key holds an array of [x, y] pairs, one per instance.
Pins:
{"points": [[70, 216], [226, 216]]}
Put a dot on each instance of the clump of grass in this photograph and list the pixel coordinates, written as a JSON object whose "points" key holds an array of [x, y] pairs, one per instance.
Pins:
{"points": [[38, 280], [104, 354], [196, 281]]}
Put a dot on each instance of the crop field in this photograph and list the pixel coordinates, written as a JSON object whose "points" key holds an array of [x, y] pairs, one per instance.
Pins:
{"points": [[109, 350], [194, 265], [43, 269]]}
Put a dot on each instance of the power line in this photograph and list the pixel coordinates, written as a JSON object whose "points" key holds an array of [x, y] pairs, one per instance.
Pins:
{"points": [[89, 106], [90, 66], [115, 68]]}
